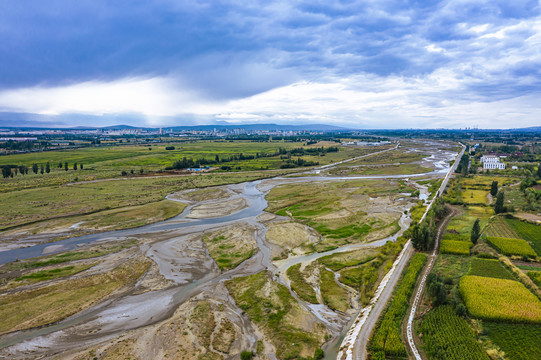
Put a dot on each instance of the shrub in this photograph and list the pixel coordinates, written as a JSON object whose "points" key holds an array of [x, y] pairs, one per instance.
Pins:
{"points": [[246, 355]]}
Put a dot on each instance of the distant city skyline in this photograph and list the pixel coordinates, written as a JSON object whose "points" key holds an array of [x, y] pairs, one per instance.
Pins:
{"points": [[356, 64]]}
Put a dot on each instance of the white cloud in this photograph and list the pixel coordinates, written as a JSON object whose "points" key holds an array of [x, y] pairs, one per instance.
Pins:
{"points": [[368, 101]]}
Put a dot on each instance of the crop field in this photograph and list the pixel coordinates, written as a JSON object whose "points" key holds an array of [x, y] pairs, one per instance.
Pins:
{"points": [[512, 246], [340, 211], [473, 196], [527, 231], [517, 341], [448, 336], [499, 227], [535, 276], [386, 341], [455, 247], [30, 205], [475, 189], [499, 299], [452, 266], [489, 268], [456, 237], [463, 224]]}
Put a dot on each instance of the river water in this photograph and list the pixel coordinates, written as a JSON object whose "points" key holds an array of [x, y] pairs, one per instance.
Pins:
{"points": [[137, 310]]}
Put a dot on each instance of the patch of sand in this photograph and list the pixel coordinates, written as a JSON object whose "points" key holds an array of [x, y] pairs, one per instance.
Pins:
{"points": [[291, 236], [217, 209]]}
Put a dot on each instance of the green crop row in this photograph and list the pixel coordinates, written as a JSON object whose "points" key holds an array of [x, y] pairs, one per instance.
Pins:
{"points": [[386, 340], [489, 268], [518, 341], [448, 336]]}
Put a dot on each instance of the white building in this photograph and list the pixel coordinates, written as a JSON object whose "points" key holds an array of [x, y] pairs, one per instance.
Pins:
{"points": [[492, 162]]}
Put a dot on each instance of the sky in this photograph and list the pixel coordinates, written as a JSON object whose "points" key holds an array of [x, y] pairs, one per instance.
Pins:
{"points": [[359, 64]]}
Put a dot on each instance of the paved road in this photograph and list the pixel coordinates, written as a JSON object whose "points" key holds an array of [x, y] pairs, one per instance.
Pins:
{"points": [[433, 257], [363, 326], [360, 348]]}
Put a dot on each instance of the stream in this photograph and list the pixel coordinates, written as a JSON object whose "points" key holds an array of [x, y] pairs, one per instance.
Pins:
{"points": [[131, 311]]}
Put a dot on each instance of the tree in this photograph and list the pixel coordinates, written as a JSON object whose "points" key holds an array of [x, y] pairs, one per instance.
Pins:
{"points": [[81, 166], [475, 232], [6, 171], [74, 166], [66, 166], [23, 169], [499, 207], [41, 170], [35, 168], [47, 167], [539, 170], [494, 188], [60, 164]]}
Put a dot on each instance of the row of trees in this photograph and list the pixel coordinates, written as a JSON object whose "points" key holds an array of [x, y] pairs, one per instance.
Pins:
{"points": [[423, 234], [284, 154], [14, 170]]}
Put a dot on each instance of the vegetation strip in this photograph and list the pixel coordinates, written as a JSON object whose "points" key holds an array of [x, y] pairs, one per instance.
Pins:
{"points": [[386, 341]]}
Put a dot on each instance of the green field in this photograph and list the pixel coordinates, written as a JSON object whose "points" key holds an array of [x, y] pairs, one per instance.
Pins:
{"points": [[499, 299], [448, 336], [512, 246], [535, 276], [334, 296], [489, 268], [275, 311], [366, 277], [31, 205], [386, 341], [499, 227], [299, 284], [402, 169], [109, 161], [453, 267], [340, 211], [342, 260], [455, 247], [518, 341], [527, 231]]}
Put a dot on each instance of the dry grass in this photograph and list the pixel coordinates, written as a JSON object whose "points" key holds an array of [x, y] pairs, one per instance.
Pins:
{"points": [[28, 309]]}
